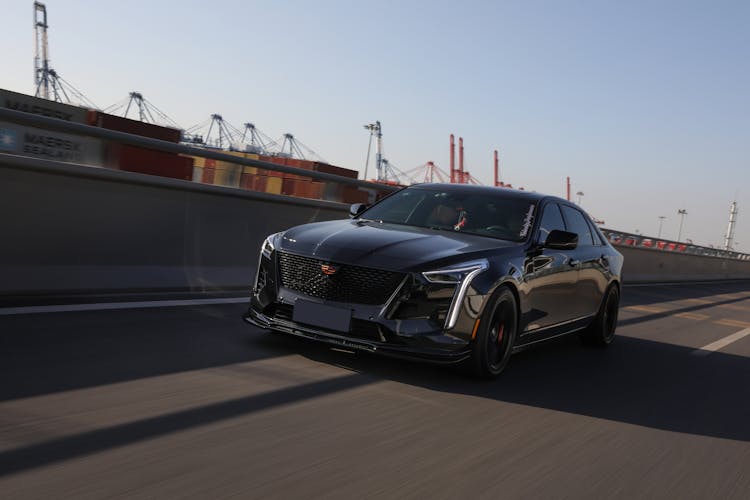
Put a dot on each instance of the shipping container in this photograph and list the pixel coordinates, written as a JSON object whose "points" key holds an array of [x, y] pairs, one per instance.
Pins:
{"points": [[147, 161], [316, 190], [227, 174], [51, 145], [273, 185], [135, 127], [44, 107], [259, 183], [208, 174], [353, 195], [197, 173], [247, 181], [332, 169]]}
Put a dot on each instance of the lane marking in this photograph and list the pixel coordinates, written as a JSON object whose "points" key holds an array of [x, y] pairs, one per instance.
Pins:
{"points": [[721, 343], [693, 316], [648, 309], [733, 322], [699, 301], [105, 306], [735, 307]]}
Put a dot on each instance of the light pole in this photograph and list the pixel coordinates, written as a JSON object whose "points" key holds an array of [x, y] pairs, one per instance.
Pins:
{"points": [[661, 221], [579, 194], [682, 213]]}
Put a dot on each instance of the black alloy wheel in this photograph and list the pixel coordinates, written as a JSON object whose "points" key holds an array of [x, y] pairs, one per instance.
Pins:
{"points": [[496, 336], [601, 332]]}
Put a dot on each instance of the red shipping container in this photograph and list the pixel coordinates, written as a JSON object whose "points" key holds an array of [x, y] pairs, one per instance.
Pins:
{"points": [[354, 195], [208, 175], [147, 161], [332, 169], [302, 188], [288, 186], [316, 190], [247, 181], [112, 122], [259, 183]]}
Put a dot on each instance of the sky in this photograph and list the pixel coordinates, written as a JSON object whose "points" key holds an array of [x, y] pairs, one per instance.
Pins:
{"points": [[645, 105]]}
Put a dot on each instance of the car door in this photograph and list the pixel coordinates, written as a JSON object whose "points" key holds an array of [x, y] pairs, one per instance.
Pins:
{"points": [[588, 257], [550, 276]]}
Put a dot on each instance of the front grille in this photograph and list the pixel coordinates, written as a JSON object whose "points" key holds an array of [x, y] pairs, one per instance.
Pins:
{"points": [[352, 284]]}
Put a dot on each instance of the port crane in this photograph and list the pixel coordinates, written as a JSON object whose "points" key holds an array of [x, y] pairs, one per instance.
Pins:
{"points": [[48, 83], [297, 150], [376, 132], [145, 110], [256, 141]]}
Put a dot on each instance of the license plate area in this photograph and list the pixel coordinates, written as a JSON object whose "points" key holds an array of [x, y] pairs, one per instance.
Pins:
{"points": [[322, 315]]}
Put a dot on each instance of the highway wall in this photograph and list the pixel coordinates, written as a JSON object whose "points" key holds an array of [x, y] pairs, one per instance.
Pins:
{"points": [[647, 265], [69, 229]]}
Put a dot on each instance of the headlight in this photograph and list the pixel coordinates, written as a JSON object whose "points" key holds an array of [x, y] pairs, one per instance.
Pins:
{"points": [[460, 275], [267, 247], [265, 251]]}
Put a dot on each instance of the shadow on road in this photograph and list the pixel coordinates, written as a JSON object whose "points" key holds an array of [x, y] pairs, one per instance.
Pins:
{"points": [[47, 353], [640, 382], [635, 381]]}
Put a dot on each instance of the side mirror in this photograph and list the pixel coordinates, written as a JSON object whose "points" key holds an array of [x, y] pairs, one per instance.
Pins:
{"points": [[561, 240], [356, 209]]}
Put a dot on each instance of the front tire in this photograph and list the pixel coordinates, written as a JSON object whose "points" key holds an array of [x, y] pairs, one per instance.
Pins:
{"points": [[601, 331], [495, 338]]}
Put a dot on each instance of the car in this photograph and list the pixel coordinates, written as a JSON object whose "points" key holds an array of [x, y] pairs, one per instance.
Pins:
{"points": [[447, 273]]}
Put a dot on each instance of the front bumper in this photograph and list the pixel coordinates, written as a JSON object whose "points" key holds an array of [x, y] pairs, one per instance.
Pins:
{"points": [[434, 347], [409, 322]]}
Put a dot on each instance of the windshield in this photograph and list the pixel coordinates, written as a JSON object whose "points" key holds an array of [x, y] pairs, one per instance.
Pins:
{"points": [[483, 214]]}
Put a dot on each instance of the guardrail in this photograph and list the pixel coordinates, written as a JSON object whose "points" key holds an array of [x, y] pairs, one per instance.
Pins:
{"points": [[621, 238]]}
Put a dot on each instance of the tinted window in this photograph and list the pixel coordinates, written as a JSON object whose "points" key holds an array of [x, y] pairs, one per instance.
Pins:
{"points": [[492, 214], [551, 220], [598, 237], [577, 224]]}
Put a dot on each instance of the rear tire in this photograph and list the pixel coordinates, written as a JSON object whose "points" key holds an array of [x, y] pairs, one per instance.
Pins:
{"points": [[601, 331], [493, 344]]}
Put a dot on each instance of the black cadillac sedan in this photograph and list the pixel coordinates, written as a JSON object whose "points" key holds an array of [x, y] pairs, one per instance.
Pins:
{"points": [[443, 272]]}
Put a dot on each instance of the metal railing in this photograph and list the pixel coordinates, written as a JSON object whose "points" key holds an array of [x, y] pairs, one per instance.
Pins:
{"points": [[642, 241]]}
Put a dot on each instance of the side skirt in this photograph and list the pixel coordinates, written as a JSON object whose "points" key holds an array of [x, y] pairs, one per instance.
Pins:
{"points": [[551, 332]]}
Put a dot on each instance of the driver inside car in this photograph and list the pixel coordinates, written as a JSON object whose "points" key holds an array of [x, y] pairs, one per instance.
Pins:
{"points": [[448, 213]]}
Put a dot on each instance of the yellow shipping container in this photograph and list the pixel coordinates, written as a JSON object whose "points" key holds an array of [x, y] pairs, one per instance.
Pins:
{"points": [[273, 185], [199, 161], [227, 174]]}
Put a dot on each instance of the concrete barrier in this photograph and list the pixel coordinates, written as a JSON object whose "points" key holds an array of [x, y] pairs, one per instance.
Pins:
{"points": [[69, 229], [646, 265]]}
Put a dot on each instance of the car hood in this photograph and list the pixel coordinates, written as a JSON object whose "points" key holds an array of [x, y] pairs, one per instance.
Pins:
{"points": [[382, 245]]}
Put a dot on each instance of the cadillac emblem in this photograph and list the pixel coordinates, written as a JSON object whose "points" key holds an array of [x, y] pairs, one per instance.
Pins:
{"points": [[328, 269]]}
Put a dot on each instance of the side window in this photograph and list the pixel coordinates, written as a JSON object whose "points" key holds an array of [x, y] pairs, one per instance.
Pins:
{"points": [[598, 238], [551, 219], [577, 224]]}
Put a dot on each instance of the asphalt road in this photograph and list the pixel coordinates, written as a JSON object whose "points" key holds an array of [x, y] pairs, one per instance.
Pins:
{"points": [[191, 402]]}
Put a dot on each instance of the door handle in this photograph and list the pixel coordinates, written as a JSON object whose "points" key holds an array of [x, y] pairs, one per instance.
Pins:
{"points": [[574, 262]]}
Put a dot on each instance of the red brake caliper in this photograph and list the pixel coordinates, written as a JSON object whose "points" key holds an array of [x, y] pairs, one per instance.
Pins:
{"points": [[500, 333]]}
